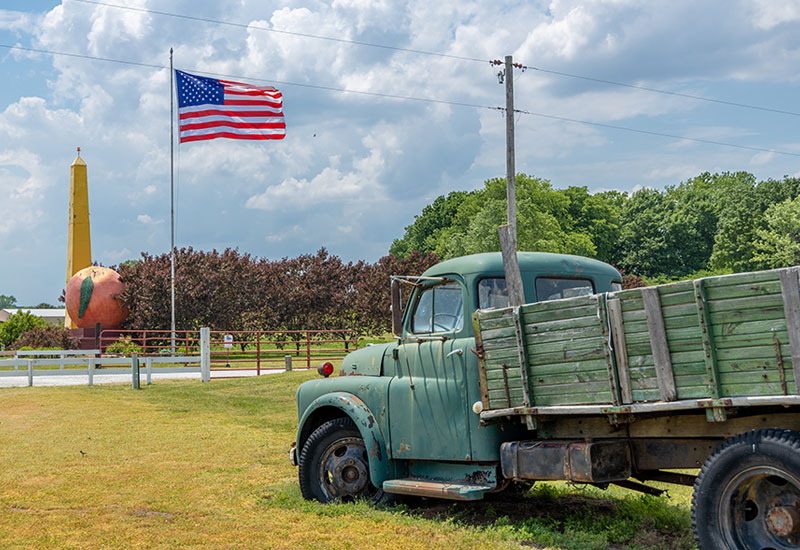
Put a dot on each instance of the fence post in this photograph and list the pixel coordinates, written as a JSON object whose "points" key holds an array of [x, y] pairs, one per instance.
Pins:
{"points": [[287, 362], [148, 362], [91, 371], [308, 350], [258, 353], [205, 354], [62, 364], [30, 372], [135, 370]]}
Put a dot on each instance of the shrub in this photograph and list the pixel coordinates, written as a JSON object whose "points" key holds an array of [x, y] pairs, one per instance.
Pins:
{"points": [[124, 345], [17, 324], [49, 336]]}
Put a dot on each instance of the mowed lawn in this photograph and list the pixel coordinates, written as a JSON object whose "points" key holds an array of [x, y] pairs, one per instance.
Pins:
{"points": [[181, 464]]}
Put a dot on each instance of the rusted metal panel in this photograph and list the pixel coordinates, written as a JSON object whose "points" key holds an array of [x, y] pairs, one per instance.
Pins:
{"points": [[664, 453], [589, 462], [436, 489]]}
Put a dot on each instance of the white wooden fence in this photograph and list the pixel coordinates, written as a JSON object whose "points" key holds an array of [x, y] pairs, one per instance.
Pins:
{"points": [[25, 362]]}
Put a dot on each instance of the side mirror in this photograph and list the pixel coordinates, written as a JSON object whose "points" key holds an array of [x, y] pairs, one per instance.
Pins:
{"points": [[397, 312]]}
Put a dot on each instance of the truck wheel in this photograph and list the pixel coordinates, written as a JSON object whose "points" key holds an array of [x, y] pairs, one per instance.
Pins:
{"points": [[334, 465], [747, 495]]}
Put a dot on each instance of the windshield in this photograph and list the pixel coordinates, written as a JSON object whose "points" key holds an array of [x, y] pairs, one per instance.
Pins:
{"points": [[439, 309]]}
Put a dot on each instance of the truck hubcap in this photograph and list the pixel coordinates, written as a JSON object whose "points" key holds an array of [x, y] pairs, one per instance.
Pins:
{"points": [[344, 469], [759, 509]]}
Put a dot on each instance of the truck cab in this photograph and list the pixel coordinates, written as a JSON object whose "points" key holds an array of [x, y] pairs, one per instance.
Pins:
{"points": [[404, 417]]}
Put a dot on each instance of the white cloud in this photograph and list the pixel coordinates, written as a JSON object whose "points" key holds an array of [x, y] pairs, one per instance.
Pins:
{"points": [[147, 220], [23, 180]]}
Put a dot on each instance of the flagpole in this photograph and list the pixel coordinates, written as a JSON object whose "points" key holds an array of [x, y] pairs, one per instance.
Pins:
{"points": [[172, 199]]}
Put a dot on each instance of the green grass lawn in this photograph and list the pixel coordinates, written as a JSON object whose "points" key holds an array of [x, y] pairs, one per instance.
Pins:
{"points": [[181, 464]]}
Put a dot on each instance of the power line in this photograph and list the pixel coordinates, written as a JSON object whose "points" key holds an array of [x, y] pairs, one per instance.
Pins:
{"points": [[290, 33], [443, 55], [664, 92], [281, 82], [660, 134], [406, 98]]}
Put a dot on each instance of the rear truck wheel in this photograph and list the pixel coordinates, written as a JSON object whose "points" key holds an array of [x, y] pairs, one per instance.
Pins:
{"points": [[747, 496], [334, 465]]}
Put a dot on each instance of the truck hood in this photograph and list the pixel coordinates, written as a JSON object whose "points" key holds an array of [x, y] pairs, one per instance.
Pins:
{"points": [[365, 361]]}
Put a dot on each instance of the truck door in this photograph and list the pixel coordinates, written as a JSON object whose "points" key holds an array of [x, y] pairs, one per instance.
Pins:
{"points": [[428, 396]]}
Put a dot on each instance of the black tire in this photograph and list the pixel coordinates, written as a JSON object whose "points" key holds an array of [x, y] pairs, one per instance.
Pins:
{"points": [[334, 465], [745, 492]]}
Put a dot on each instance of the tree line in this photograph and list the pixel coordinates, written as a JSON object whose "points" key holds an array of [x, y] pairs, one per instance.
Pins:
{"points": [[231, 290], [710, 224]]}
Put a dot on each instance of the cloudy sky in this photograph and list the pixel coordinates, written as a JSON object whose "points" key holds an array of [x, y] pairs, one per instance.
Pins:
{"points": [[355, 168]]}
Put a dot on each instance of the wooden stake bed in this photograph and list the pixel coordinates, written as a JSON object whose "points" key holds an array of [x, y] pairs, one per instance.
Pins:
{"points": [[712, 343]]}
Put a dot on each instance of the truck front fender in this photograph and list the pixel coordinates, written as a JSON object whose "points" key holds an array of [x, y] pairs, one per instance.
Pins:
{"points": [[320, 410]]}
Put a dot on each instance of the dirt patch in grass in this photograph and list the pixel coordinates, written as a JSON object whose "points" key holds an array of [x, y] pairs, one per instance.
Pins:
{"points": [[552, 517]]}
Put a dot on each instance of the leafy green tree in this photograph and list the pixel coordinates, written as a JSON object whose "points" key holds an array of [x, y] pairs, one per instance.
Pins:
{"points": [[17, 324], [423, 234], [7, 301], [778, 244]]}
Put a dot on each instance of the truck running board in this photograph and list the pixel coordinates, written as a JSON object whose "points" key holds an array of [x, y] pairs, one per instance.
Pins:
{"points": [[453, 490]]}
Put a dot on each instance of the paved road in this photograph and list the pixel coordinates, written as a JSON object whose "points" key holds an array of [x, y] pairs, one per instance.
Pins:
{"points": [[99, 378]]}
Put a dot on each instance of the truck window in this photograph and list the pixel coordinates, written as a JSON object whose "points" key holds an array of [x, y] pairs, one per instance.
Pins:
{"points": [[492, 293], [439, 309], [555, 288]]}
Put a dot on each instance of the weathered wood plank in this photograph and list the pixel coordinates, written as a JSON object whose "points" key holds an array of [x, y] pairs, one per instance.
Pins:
{"points": [[535, 317], [499, 322], [744, 365], [569, 378], [640, 325], [658, 340], [512, 375], [574, 335], [502, 355], [620, 349], [485, 314], [495, 333], [500, 343], [584, 344], [750, 340], [745, 315], [580, 398], [558, 305], [742, 304], [568, 354], [749, 327], [645, 395], [523, 365], [704, 320], [557, 326], [790, 285], [482, 373], [740, 278], [560, 368], [608, 351], [743, 290]]}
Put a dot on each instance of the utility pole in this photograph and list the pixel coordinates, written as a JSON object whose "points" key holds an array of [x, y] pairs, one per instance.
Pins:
{"points": [[508, 232]]}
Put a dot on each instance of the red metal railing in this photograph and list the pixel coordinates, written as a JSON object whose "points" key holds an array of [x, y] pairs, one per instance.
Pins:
{"points": [[241, 349]]}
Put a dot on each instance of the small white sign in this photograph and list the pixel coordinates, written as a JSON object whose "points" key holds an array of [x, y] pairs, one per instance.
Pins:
{"points": [[228, 339]]}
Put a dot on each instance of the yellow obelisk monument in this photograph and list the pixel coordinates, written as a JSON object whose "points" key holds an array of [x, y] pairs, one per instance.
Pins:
{"points": [[79, 246]]}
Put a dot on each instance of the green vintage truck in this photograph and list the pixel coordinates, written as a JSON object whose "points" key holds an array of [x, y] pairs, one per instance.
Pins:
{"points": [[585, 382]]}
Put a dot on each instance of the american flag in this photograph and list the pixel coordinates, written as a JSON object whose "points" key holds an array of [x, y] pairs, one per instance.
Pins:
{"points": [[209, 108]]}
